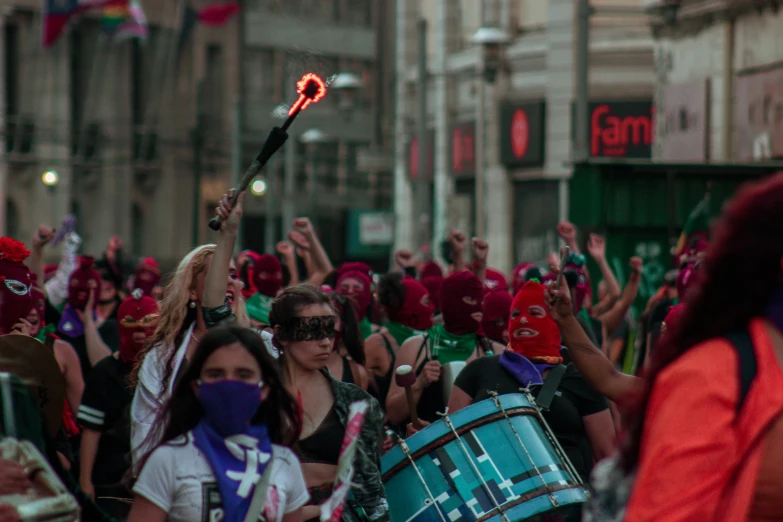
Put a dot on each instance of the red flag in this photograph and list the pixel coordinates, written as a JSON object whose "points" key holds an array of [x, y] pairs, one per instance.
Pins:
{"points": [[218, 14]]}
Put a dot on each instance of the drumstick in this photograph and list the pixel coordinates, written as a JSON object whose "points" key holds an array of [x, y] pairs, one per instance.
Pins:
{"points": [[405, 378]]}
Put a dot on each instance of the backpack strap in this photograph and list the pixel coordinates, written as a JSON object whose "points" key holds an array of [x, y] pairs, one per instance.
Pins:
{"points": [[747, 362], [551, 383]]}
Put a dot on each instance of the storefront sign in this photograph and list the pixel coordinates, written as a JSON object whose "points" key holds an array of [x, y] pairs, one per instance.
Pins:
{"points": [[685, 111], [413, 156], [463, 149], [758, 115], [522, 133], [621, 129], [376, 228]]}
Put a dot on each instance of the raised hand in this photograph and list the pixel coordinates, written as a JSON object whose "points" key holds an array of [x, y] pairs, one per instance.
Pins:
{"points": [[597, 247], [636, 265], [567, 231], [285, 249], [457, 240], [299, 239], [42, 236], [230, 215], [304, 227], [480, 251], [558, 299], [404, 258]]}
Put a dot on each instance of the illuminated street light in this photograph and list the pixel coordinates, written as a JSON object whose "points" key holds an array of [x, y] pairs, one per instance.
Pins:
{"points": [[258, 187], [50, 178]]}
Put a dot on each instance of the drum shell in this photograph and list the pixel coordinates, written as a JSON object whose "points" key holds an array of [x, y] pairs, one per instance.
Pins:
{"points": [[503, 464]]}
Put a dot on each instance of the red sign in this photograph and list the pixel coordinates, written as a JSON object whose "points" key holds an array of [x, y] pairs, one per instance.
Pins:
{"points": [[520, 133], [463, 149], [621, 129], [413, 156]]}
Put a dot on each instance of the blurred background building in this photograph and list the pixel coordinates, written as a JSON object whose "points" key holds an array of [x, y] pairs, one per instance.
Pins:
{"points": [[141, 136], [501, 85]]}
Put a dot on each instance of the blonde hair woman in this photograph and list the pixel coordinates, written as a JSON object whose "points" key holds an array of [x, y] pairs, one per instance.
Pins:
{"points": [[180, 328]]}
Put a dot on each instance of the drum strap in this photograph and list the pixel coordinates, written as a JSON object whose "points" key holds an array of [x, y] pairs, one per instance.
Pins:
{"points": [[9, 423], [552, 381]]}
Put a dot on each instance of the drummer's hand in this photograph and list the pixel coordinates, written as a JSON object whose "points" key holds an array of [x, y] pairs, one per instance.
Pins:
{"points": [[13, 478], [388, 444], [430, 374], [8, 513], [410, 429]]}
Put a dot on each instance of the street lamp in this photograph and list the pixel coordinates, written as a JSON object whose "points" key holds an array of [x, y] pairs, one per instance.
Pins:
{"points": [[347, 85], [493, 41], [258, 187], [50, 178], [312, 138]]}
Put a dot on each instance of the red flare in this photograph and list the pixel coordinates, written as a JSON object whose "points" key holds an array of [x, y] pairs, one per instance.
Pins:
{"points": [[311, 89]]}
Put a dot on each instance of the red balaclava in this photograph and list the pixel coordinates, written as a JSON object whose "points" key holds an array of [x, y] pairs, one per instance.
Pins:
{"points": [[147, 276], [460, 302], [496, 308], [137, 313], [246, 271], [431, 269], [417, 309], [494, 279], [433, 284], [518, 278], [360, 297], [267, 275], [83, 280], [16, 300], [532, 332]]}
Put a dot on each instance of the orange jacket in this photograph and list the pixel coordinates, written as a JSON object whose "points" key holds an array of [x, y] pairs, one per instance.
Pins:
{"points": [[699, 459]]}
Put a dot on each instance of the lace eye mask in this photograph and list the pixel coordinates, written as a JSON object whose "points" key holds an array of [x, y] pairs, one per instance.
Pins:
{"points": [[308, 328]]}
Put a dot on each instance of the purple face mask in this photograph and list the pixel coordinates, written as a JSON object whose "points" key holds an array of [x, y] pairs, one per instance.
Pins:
{"points": [[229, 405]]}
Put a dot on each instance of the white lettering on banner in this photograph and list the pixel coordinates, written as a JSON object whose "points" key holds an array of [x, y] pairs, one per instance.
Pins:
{"points": [[376, 228], [245, 449], [535, 249]]}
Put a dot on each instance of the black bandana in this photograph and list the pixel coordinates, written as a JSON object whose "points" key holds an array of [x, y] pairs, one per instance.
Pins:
{"points": [[308, 328]]}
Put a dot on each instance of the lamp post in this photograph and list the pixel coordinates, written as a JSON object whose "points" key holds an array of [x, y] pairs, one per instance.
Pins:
{"points": [[347, 85], [50, 178], [493, 42], [312, 138]]}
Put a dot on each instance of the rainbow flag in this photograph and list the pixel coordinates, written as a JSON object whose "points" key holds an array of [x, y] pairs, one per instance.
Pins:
{"points": [[124, 19], [57, 14]]}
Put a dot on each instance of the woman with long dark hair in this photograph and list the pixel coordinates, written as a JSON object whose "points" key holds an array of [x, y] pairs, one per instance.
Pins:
{"points": [[346, 361], [704, 440], [304, 322], [228, 423]]}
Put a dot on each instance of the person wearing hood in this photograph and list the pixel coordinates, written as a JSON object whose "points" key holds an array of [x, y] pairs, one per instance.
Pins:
{"points": [[354, 281], [267, 279], [496, 308], [409, 308], [457, 339], [147, 278], [578, 416], [104, 412]]}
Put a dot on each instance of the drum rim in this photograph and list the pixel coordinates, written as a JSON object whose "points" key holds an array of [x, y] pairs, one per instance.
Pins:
{"points": [[449, 437]]}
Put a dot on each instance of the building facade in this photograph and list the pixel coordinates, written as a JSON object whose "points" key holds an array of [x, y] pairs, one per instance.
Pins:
{"points": [[500, 151], [346, 169], [719, 81], [114, 120]]}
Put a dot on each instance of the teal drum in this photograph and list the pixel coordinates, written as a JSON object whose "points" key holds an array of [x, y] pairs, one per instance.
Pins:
{"points": [[496, 460]]}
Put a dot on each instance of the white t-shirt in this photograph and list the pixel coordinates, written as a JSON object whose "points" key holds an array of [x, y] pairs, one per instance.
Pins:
{"points": [[178, 479]]}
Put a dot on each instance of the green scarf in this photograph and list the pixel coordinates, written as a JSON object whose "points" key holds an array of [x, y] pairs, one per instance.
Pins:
{"points": [[447, 347], [258, 307], [401, 333], [49, 328], [366, 328]]}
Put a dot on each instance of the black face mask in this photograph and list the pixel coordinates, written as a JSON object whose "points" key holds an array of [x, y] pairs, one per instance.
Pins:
{"points": [[314, 328]]}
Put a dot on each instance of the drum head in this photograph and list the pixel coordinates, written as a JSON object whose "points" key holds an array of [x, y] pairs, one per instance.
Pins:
{"points": [[34, 363]]}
